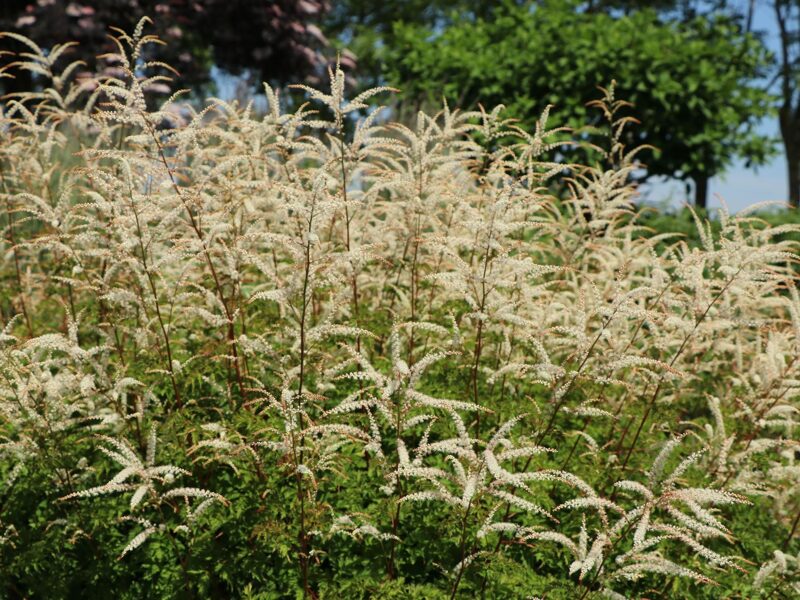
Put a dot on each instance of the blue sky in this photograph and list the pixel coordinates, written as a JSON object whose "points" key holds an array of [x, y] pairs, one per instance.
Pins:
{"points": [[739, 187]]}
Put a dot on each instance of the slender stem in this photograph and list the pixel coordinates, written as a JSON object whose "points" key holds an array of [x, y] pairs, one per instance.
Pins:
{"points": [[302, 536], [563, 398], [683, 345], [15, 251], [154, 291], [414, 287], [396, 519], [415, 257], [462, 551], [765, 409], [347, 217], [789, 537], [569, 387], [297, 448], [195, 225], [484, 294]]}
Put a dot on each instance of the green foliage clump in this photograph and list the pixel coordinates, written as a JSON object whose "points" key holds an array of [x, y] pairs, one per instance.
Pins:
{"points": [[693, 83]]}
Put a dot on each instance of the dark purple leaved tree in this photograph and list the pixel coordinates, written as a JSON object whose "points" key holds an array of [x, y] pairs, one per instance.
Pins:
{"points": [[273, 40]]}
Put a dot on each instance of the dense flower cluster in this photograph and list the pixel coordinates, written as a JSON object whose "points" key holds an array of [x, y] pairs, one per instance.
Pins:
{"points": [[328, 304]]}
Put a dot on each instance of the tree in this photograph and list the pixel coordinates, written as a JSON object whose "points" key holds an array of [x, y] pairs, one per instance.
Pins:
{"points": [[367, 27], [278, 40], [693, 82], [787, 14], [685, 9]]}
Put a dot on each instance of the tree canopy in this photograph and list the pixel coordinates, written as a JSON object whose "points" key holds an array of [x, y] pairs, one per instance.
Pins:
{"points": [[692, 82]]}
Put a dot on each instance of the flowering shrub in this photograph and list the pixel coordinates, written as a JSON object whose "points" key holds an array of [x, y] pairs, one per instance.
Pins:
{"points": [[317, 352]]}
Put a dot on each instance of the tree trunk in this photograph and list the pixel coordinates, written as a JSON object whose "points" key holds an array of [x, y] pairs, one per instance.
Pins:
{"points": [[793, 166], [701, 191], [790, 132]]}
